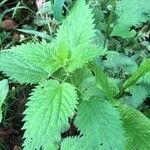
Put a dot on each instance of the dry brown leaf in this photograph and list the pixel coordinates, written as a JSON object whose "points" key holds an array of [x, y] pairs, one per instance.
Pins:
{"points": [[9, 24]]}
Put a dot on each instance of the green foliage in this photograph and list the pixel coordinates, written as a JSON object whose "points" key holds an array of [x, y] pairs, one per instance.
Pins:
{"points": [[73, 33], [51, 146], [137, 12], [130, 13], [58, 4], [103, 126], [74, 143], [79, 58], [20, 69], [74, 28], [118, 61], [4, 88], [122, 31], [138, 94], [145, 79], [137, 128], [102, 82], [55, 103], [88, 87], [141, 71], [79, 83]]}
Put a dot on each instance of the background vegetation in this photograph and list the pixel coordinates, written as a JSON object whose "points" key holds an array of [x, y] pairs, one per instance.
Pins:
{"points": [[122, 27]]}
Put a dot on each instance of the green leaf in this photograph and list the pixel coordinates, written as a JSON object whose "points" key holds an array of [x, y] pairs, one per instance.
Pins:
{"points": [[102, 82], [99, 39], [117, 61], [145, 78], [62, 54], [57, 10], [31, 62], [74, 28], [137, 128], [113, 84], [84, 80], [51, 146], [21, 70], [4, 88], [73, 34], [89, 89], [41, 54], [46, 116], [122, 31], [99, 121], [74, 143], [141, 71], [79, 75], [82, 55], [131, 13], [138, 94]]}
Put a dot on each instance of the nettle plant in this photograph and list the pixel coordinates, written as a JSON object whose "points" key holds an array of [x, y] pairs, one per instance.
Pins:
{"points": [[72, 84]]}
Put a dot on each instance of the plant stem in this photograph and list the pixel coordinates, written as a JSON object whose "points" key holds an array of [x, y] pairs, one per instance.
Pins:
{"points": [[67, 76], [49, 27], [118, 95]]}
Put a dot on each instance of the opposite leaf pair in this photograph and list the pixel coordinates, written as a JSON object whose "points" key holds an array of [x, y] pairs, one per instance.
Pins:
{"points": [[68, 87]]}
